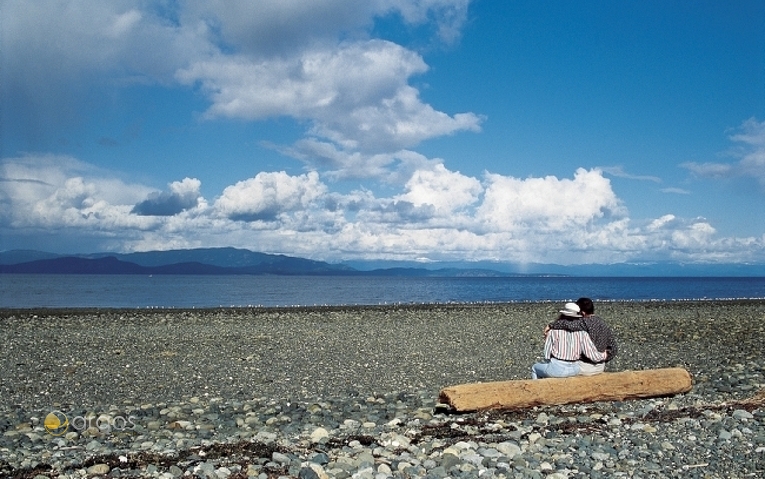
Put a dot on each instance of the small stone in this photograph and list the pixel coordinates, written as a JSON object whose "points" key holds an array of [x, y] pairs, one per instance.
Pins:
{"points": [[307, 473], [601, 456], [449, 460], [509, 449], [384, 469], [489, 452], [318, 434], [742, 414], [99, 469]]}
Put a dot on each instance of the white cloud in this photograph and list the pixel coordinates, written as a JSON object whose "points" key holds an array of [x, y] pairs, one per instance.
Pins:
{"points": [[183, 195], [549, 203], [447, 191], [60, 192], [710, 170], [676, 191], [752, 136], [356, 94], [336, 164], [271, 27], [438, 215], [72, 40], [662, 222], [749, 150], [618, 171], [310, 61], [267, 195]]}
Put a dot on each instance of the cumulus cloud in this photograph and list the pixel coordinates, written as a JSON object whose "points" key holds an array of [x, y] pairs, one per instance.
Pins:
{"points": [[272, 27], [549, 203], [446, 191], [183, 195], [267, 195], [395, 167], [310, 61], [51, 191], [439, 214], [356, 94], [362, 115]]}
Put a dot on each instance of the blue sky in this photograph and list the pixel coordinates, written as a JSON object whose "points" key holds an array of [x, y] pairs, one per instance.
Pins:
{"points": [[433, 130]]}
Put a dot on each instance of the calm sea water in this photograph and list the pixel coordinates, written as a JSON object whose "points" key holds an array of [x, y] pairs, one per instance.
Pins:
{"points": [[134, 291]]}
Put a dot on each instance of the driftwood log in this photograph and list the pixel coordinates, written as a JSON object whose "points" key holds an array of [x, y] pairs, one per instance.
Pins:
{"points": [[526, 393]]}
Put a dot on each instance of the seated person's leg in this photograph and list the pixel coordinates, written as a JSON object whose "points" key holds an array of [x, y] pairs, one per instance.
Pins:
{"points": [[589, 369], [539, 370], [562, 369]]}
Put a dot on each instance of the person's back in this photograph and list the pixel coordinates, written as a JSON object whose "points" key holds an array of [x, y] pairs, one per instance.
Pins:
{"points": [[563, 349], [600, 334], [569, 345]]}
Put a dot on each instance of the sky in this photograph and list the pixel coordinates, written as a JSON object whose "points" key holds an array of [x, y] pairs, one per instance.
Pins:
{"points": [[565, 132]]}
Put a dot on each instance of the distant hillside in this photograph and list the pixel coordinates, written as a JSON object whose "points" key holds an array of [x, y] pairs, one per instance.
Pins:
{"points": [[222, 261], [206, 261], [223, 257], [643, 269]]}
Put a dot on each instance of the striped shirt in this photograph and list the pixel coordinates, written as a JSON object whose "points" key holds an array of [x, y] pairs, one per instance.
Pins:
{"points": [[570, 346], [599, 332]]}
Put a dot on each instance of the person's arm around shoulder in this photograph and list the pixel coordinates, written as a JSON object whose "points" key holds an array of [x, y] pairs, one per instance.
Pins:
{"points": [[550, 338], [596, 326], [570, 325], [592, 353]]}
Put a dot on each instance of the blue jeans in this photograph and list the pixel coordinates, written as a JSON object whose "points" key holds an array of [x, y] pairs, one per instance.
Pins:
{"points": [[555, 368]]}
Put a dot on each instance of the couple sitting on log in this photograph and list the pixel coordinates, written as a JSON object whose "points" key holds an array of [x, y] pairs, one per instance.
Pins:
{"points": [[578, 343]]}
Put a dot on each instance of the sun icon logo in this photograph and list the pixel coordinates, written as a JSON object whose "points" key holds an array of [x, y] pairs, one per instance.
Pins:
{"points": [[56, 423]]}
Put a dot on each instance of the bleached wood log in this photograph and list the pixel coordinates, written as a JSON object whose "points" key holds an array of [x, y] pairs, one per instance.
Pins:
{"points": [[526, 393]]}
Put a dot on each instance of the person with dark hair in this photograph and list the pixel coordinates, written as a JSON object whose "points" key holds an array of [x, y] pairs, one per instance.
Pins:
{"points": [[564, 349], [599, 332]]}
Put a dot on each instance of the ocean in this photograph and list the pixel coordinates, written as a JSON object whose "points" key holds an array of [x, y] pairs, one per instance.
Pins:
{"points": [[178, 291]]}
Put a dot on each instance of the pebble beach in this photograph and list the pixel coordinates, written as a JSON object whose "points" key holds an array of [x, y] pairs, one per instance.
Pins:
{"points": [[352, 392]]}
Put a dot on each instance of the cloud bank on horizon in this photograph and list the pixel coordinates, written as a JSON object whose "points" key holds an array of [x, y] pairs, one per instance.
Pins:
{"points": [[348, 116]]}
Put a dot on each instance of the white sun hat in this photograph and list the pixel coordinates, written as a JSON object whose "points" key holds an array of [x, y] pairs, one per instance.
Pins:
{"points": [[571, 310]]}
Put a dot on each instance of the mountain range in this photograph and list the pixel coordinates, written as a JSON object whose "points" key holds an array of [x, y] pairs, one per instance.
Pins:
{"points": [[219, 261], [224, 261]]}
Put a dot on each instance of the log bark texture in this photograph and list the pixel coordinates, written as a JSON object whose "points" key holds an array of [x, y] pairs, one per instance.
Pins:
{"points": [[526, 393]]}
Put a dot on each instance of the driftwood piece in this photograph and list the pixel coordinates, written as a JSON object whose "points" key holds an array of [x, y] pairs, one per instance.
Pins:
{"points": [[556, 391]]}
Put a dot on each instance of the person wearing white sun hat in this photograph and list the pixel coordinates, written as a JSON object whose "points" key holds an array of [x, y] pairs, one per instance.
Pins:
{"points": [[600, 333], [563, 349]]}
